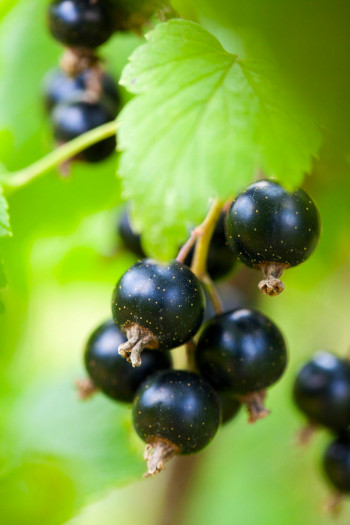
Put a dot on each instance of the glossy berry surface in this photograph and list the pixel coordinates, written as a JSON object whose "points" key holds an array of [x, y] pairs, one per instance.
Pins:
{"points": [[110, 372], [72, 119], [241, 352], [268, 224], [179, 407], [322, 391], [336, 463], [80, 23], [230, 407], [166, 299], [130, 239], [59, 87], [221, 260]]}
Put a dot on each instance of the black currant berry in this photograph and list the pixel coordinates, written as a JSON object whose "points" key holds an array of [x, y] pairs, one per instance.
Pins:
{"points": [[221, 260], [336, 462], [110, 372], [72, 119], [322, 391], [241, 353], [175, 412], [272, 229], [81, 23], [157, 306], [130, 239], [59, 87], [230, 407]]}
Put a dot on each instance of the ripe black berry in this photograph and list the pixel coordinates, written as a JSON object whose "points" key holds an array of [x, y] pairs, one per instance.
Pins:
{"points": [[336, 463], [175, 412], [110, 372], [322, 391], [81, 23], [72, 119], [271, 229], [241, 353], [130, 239], [230, 408], [59, 87], [157, 306], [220, 259]]}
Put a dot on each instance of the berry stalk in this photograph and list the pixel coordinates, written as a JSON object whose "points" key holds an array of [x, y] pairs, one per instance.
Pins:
{"points": [[20, 178]]}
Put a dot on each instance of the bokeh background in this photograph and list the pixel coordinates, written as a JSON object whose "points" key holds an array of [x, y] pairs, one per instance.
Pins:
{"points": [[62, 461]]}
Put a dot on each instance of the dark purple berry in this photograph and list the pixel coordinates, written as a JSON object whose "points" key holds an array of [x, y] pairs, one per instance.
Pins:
{"points": [[322, 391], [110, 372], [271, 229], [241, 353], [72, 119], [336, 462], [157, 306], [81, 23], [59, 87], [175, 412], [230, 407], [130, 239]]}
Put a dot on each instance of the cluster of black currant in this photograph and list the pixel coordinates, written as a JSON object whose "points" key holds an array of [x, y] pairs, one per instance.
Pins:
{"points": [[159, 307], [322, 393], [80, 95]]}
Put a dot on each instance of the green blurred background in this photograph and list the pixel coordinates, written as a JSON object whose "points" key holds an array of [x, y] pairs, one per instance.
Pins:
{"points": [[67, 462]]}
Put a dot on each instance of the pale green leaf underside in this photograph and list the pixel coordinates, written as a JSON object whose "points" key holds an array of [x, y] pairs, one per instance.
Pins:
{"points": [[201, 124]]}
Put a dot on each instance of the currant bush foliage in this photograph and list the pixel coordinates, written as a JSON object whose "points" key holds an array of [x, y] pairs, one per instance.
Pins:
{"points": [[202, 123]]}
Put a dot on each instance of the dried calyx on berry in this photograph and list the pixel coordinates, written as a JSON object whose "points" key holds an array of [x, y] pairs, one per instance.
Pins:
{"points": [[93, 83], [109, 372], [241, 353], [271, 229], [175, 412], [158, 306]]}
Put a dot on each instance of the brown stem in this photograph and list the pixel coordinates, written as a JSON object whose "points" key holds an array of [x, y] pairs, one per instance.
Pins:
{"points": [[186, 248], [334, 504], [178, 492], [157, 453], [190, 354], [86, 388], [305, 434], [76, 59], [272, 285], [255, 405], [138, 339]]}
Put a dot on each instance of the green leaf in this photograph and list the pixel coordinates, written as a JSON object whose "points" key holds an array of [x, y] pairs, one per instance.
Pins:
{"points": [[5, 229], [91, 442], [201, 125]]}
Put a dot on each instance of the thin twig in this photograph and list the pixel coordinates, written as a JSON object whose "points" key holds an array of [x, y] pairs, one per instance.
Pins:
{"points": [[199, 263], [17, 179], [213, 294]]}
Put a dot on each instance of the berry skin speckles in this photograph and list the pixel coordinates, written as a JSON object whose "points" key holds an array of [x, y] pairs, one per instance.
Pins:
{"points": [[175, 412], [241, 353], [272, 229], [109, 372], [158, 306]]}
